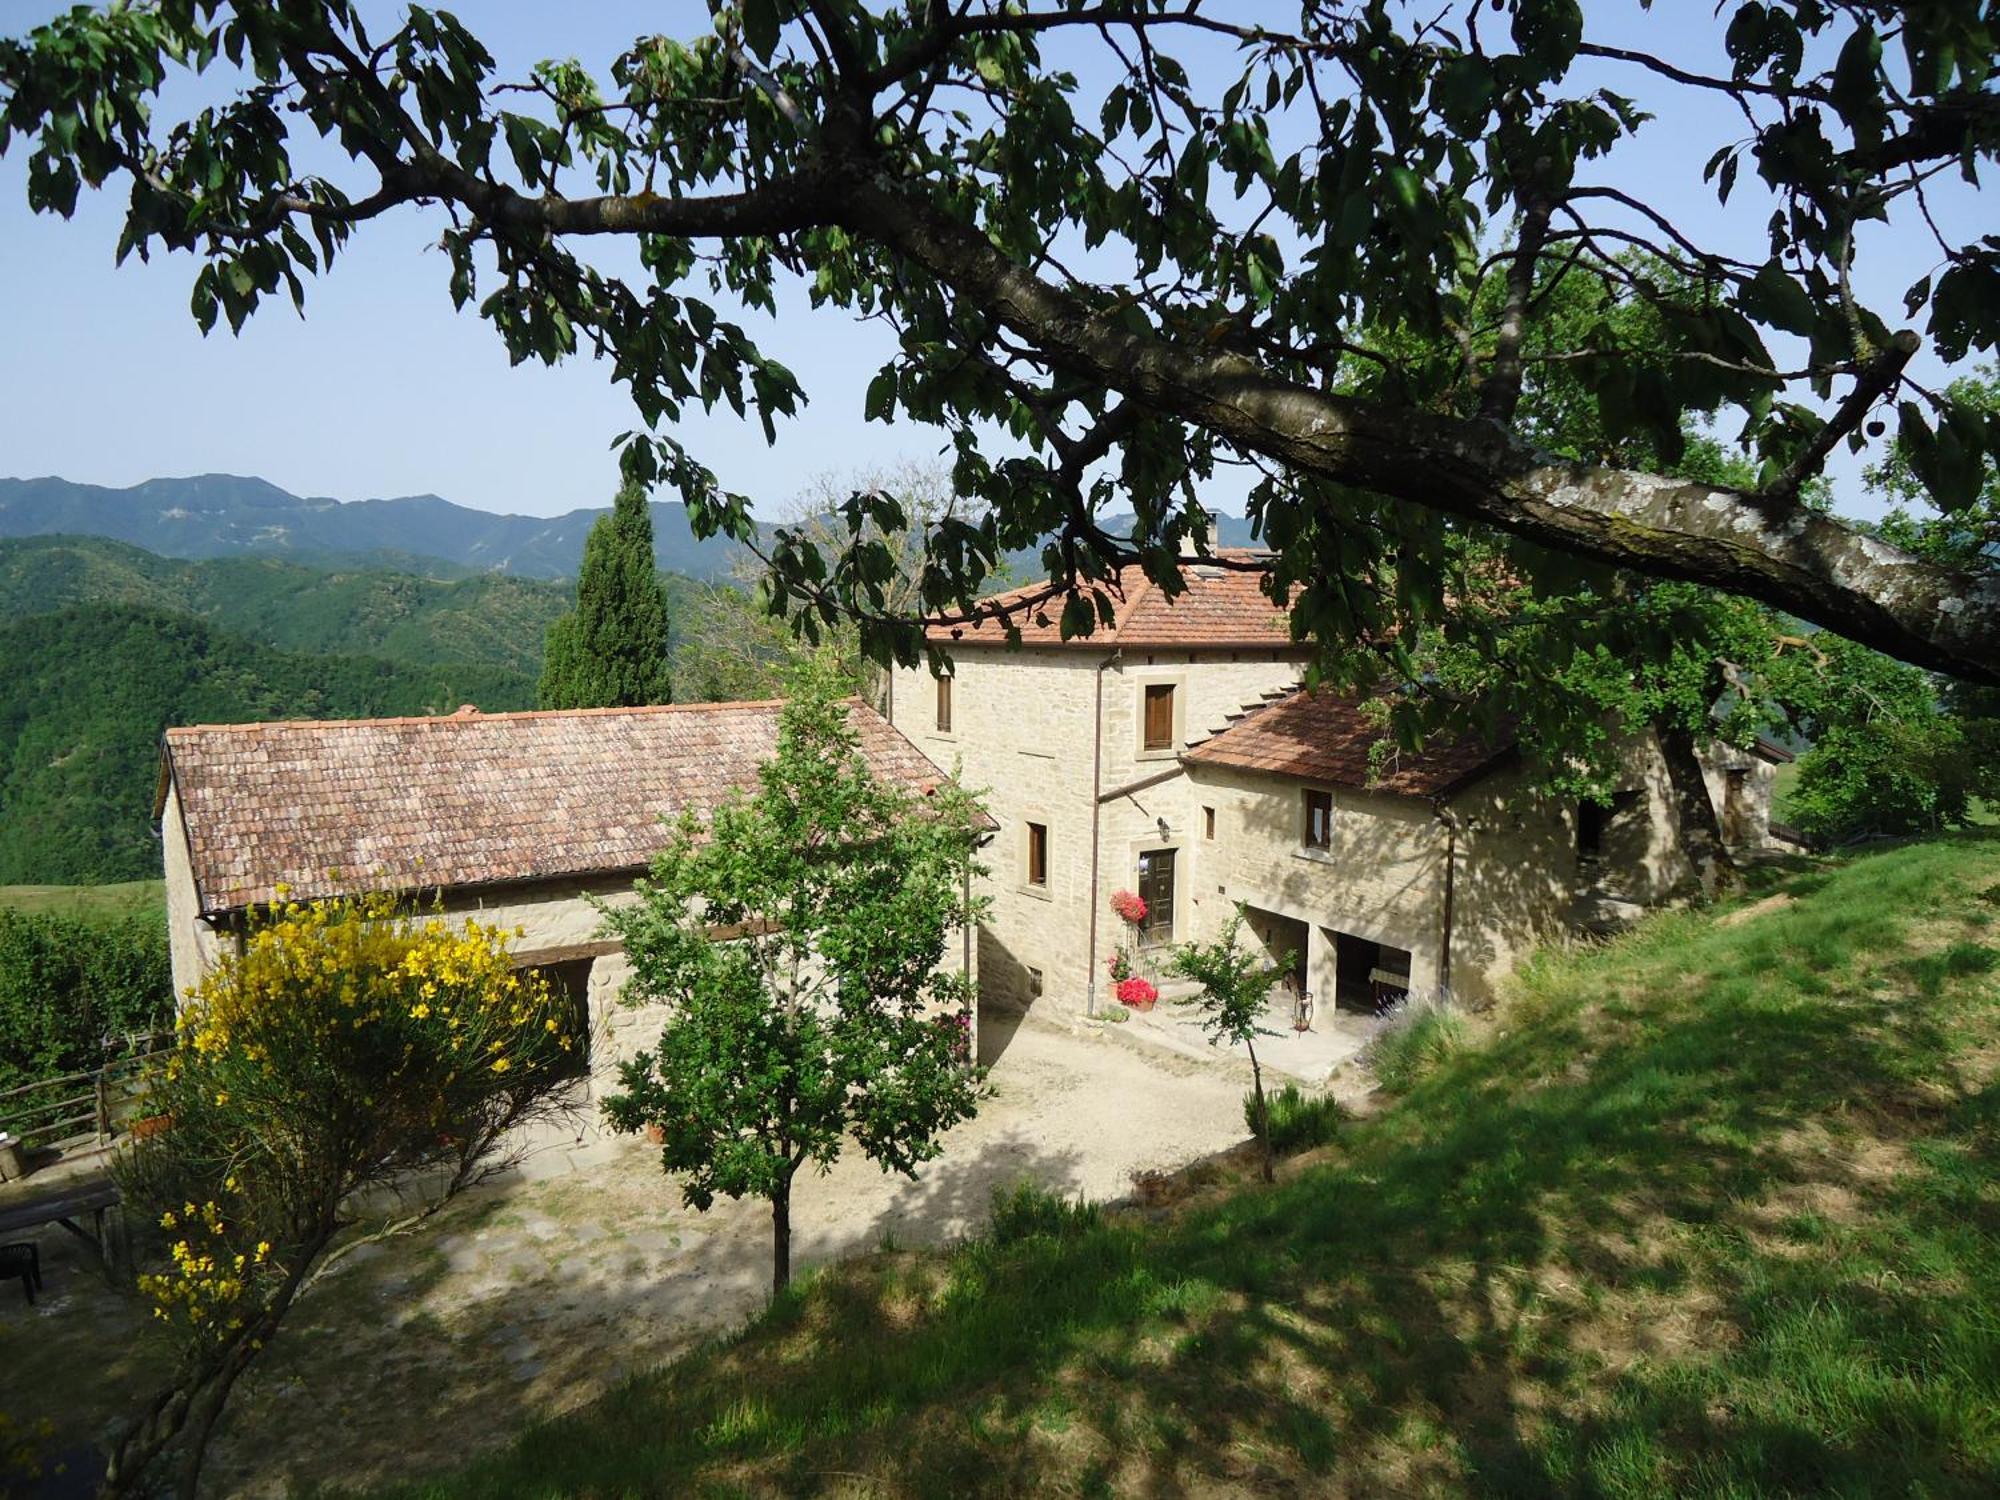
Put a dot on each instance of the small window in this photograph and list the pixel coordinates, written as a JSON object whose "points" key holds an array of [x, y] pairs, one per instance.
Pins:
{"points": [[1591, 817], [1319, 820], [1038, 854], [1208, 822], [944, 705], [1034, 983], [1594, 819], [1159, 716]]}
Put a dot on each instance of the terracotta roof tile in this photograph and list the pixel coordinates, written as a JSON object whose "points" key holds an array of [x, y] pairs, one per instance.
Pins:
{"points": [[1326, 738], [1220, 607], [469, 798]]}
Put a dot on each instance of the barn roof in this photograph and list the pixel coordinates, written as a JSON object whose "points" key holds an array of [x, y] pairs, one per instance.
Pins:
{"points": [[1221, 606], [1326, 738], [468, 798]]}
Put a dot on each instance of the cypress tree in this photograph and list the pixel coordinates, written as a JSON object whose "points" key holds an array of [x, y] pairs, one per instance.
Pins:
{"points": [[611, 650]]}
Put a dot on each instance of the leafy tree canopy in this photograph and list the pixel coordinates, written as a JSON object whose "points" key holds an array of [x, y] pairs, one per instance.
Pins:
{"points": [[832, 1013], [1175, 268]]}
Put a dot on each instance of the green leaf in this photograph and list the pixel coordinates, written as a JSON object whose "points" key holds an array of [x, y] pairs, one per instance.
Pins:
{"points": [[880, 404], [1774, 298], [760, 27]]}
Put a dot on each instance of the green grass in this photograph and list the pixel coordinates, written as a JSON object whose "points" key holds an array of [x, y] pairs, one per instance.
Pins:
{"points": [[125, 897], [1709, 1211]]}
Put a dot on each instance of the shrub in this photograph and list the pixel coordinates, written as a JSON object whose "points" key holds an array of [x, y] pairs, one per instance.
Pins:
{"points": [[69, 983], [1298, 1120], [349, 1045], [1417, 1038], [1026, 1212]]}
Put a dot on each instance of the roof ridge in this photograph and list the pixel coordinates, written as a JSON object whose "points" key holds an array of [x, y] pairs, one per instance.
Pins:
{"points": [[478, 717]]}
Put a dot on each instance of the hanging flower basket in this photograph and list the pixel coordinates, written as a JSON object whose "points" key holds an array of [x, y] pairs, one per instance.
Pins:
{"points": [[1128, 906]]}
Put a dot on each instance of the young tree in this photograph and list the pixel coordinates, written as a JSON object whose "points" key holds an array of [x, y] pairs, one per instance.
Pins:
{"points": [[350, 1045], [1262, 195], [611, 650], [800, 937], [1235, 983]]}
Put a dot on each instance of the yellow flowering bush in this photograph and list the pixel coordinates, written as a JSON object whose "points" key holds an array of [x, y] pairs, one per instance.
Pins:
{"points": [[350, 1043]]}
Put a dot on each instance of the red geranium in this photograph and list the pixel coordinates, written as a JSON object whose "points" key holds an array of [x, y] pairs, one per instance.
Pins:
{"points": [[1137, 990], [1128, 906]]}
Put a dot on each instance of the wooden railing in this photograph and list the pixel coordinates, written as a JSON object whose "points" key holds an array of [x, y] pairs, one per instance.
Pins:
{"points": [[80, 1105]]}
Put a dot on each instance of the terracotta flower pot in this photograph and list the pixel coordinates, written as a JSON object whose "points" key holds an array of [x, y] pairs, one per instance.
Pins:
{"points": [[1144, 1004]]}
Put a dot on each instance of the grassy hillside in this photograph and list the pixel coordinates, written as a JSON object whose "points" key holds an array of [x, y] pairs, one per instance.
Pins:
{"points": [[1711, 1211], [122, 898], [488, 620], [87, 693]]}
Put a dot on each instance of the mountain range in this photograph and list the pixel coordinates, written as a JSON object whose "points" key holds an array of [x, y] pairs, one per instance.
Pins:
{"points": [[225, 515]]}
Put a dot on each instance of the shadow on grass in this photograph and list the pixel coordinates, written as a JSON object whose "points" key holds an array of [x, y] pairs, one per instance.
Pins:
{"points": [[1644, 1241]]}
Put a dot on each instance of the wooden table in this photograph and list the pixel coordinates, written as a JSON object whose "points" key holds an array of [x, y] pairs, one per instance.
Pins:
{"points": [[65, 1203]]}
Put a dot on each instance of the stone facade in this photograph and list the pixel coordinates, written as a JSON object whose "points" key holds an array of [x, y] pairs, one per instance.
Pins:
{"points": [[1025, 733], [1450, 890]]}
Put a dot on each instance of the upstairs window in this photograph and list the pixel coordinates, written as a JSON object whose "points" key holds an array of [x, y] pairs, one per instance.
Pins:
{"points": [[1319, 820], [1208, 822], [1159, 716], [1038, 855], [944, 705]]}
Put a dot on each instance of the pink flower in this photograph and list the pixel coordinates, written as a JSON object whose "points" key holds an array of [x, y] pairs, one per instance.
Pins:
{"points": [[1128, 906]]}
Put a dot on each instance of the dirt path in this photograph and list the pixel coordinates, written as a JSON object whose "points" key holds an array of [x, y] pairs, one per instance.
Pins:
{"points": [[537, 1296]]}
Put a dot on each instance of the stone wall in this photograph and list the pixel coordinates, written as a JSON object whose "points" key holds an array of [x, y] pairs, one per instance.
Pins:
{"points": [[1023, 733]]}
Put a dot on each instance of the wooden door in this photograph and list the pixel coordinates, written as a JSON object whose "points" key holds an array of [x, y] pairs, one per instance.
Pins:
{"points": [[1156, 889]]}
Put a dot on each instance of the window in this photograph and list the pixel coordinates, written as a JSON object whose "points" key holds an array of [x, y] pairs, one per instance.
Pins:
{"points": [[1590, 820], [569, 985], [1038, 855], [944, 705], [1208, 822], [1319, 820], [1156, 889], [1034, 983], [1159, 716], [1594, 820]]}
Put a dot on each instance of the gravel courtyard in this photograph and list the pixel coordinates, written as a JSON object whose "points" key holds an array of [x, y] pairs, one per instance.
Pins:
{"points": [[538, 1294]]}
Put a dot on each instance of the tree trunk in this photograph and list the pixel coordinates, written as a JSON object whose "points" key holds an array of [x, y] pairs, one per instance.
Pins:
{"points": [[1263, 1113], [781, 1237], [1701, 834]]}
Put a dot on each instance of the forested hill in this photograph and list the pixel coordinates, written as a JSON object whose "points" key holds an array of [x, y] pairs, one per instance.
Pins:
{"points": [[485, 620], [224, 515], [87, 693]]}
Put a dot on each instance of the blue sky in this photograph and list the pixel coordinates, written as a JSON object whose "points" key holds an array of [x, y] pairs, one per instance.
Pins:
{"points": [[384, 390]]}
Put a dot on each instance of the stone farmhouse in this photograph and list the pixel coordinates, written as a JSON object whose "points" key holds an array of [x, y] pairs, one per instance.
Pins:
{"points": [[1173, 754], [519, 818]]}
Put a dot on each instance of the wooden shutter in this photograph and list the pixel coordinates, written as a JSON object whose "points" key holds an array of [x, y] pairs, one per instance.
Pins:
{"points": [[1160, 716], [944, 705], [1038, 854]]}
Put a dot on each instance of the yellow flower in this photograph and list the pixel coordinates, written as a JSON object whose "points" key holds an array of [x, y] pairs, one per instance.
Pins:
{"points": [[420, 1010], [222, 1096], [501, 1065]]}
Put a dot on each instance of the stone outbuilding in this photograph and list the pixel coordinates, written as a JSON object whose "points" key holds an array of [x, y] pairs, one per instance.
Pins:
{"points": [[524, 819]]}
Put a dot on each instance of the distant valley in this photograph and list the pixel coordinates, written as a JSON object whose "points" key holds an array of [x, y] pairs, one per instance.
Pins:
{"points": [[219, 599]]}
